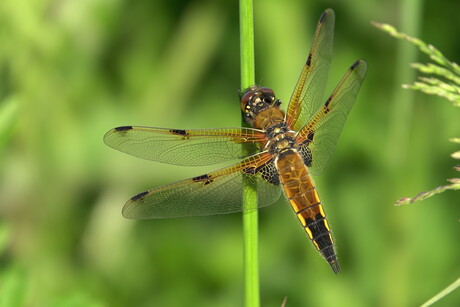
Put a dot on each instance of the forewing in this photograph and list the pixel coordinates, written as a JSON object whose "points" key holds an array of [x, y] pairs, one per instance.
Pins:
{"points": [[183, 147], [320, 135], [309, 91], [213, 193]]}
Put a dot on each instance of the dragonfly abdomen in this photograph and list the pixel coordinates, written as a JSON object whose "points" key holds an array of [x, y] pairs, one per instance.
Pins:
{"points": [[300, 189]]}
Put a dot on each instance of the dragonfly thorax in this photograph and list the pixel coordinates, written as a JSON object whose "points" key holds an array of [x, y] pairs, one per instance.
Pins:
{"points": [[280, 138]]}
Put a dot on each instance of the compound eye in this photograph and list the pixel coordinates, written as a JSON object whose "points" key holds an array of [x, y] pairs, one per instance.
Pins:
{"points": [[269, 99], [267, 90], [245, 100], [267, 94]]}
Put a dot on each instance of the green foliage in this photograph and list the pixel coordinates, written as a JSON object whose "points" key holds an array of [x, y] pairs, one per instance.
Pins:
{"points": [[443, 293], [74, 69], [442, 67], [12, 278], [8, 119], [455, 185], [433, 86]]}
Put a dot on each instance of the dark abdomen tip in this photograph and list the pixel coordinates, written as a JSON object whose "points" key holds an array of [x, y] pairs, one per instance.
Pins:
{"points": [[335, 266]]}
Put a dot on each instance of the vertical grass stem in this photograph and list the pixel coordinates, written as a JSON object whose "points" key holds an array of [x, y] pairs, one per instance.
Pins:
{"points": [[250, 223]]}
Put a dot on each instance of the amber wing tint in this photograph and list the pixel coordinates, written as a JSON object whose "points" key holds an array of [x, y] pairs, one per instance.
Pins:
{"points": [[183, 147], [309, 91], [325, 127], [213, 193]]}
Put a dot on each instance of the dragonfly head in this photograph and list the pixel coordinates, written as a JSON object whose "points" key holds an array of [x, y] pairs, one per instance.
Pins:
{"points": [[256, 99]]}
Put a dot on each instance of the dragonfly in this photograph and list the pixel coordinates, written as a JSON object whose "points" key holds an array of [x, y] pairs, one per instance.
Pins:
{"points": [[286, 148]]}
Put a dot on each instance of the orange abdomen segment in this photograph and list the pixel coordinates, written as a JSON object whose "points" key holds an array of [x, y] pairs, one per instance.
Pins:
{"points": [[300, 189]]}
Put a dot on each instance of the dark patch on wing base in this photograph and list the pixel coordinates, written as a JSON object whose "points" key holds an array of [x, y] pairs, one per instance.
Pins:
{"points": [[305, 152], [269, 173], [310, 136], [267, 170]]}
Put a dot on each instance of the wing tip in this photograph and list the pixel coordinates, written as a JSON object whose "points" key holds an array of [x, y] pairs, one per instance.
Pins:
{"points": [[128, 210], [139, 196], [359, 62], [112, 131], [360, 66], [327, 12]]}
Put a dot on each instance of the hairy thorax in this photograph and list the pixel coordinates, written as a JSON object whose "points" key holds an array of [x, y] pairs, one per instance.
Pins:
{"points": [[280, 139], [269, 117]]}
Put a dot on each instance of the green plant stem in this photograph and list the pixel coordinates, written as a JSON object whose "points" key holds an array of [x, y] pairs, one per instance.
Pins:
{"points": [[443, 293], [250, 223], [247, 43]]}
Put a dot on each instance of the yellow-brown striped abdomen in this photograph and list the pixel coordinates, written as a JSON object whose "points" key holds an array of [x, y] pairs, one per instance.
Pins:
{"points": [[300, 189]]}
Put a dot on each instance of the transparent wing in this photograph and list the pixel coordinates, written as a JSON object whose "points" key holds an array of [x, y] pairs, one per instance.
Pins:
{"points": [[309, 91], [182, 147], [213, 193], [320, 135]]}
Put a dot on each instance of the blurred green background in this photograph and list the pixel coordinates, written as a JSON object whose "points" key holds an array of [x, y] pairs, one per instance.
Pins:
{"points": [[71, 70]]}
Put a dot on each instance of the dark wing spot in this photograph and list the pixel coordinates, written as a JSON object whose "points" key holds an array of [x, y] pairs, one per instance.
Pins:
{"points": [[355, 64], [139, 196], [308, 60], [123, 128], [328, 101], [201, 178], [323, 17], [206, 179], [178, 132]]}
